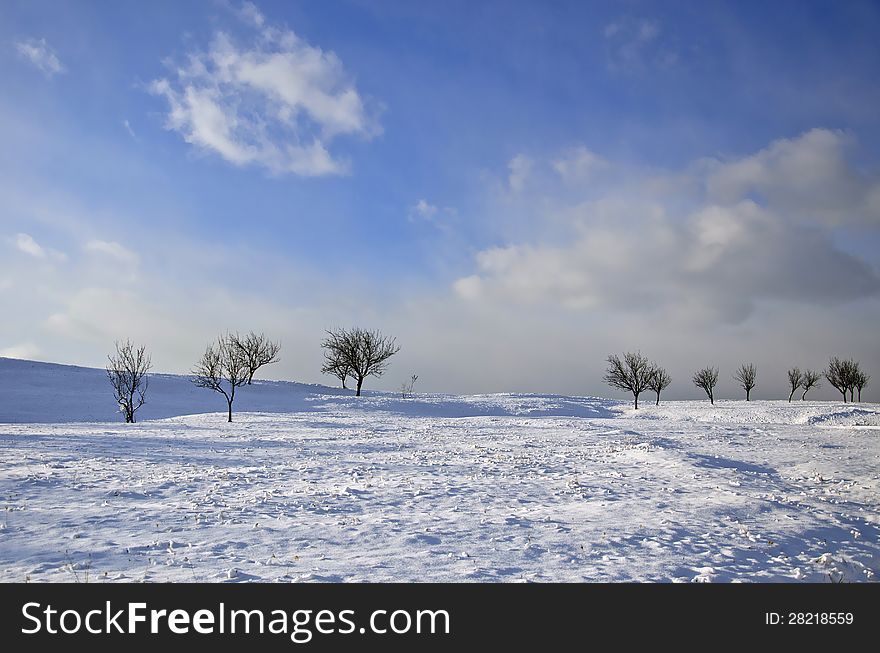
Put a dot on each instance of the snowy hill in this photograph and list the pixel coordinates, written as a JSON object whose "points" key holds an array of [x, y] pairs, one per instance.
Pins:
{"points": [[312, 484], [35, 392]]}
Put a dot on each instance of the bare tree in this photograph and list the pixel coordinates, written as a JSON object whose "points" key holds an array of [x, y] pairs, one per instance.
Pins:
{"points": [[631, 374], [795, 380], [811, 380], [406, 388], [658, 381], [336, 363], [746, 375], [849, 372], [852, 374], [707, 379], [837, 373], [258, 350], [861, 380], [222, 368], [127, 370], [358, 353]]}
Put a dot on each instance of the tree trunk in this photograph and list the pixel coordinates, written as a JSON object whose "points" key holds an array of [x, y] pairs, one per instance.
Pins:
{"points": [[791, 395], [860, 395], [747, 394], [804, 397], [344, 387], [637, 400], [360, 383], [850, 395], [843, 392], [230, 411], [712, 399], [658, 400]]}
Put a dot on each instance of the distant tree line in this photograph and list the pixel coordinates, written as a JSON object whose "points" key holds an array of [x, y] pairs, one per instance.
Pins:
{"points": [[634, 373], [356, 353]]}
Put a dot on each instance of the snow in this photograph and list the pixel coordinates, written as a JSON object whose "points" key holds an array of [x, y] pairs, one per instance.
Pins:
{"points": [[312, 484]]}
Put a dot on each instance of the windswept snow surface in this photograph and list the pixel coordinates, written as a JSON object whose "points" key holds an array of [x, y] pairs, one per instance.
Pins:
{"points": [[441, 488]]}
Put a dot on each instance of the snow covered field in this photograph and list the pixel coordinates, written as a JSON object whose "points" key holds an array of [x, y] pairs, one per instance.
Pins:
{"points": [[315, 485]]}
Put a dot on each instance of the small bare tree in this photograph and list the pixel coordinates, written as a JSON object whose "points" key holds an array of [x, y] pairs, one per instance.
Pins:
{"points": [[861, 380], [127, 370], [336, 364], [406, 388], [222, 368], [811, 380], [358, 353], [631, 374], [837, 373], [746, 376], [257, 349], [658, 381], [795, 380], [707, 379], [850, 372]]}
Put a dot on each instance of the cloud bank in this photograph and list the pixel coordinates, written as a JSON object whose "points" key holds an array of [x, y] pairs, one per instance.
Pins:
{"points": [[708, 243]]}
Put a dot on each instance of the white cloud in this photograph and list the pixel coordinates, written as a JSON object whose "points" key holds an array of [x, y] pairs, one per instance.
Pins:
{"points": [[25, 243], [424, 210], [41, 55], [251, 14], [439, 216], [113, 250], [713, 255], [579, 164], [520, 167], [635, 45], [810, 175], [277, 103], [129, 129]]}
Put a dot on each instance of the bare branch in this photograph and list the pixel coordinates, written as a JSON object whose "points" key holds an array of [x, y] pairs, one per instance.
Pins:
{"points": [[406, 388], [258, 351]]}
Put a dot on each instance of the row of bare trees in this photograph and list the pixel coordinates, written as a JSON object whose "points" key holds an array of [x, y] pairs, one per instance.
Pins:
{"points": [[805, 380], [357, 354], [634, 373], [846, 376], [232, 360], [228, 364]]}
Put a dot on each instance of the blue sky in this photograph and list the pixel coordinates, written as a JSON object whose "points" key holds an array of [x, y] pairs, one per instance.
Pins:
{"points": [[514, 189]]}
